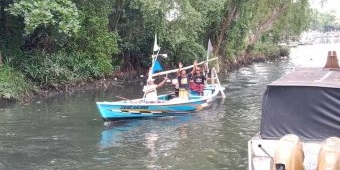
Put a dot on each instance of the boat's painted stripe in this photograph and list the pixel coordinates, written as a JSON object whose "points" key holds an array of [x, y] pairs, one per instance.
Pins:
{"points": [[154, 104], [143, 111]]}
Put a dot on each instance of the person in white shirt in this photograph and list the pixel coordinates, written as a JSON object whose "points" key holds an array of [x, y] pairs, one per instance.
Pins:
{"points": [[150, 89]]}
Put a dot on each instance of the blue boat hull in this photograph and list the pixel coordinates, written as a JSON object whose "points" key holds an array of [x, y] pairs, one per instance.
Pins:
{"points": [[121, 110], [137, 109]]}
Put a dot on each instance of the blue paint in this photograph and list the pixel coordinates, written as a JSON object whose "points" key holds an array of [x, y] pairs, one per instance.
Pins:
{"points": [[125, 109]]}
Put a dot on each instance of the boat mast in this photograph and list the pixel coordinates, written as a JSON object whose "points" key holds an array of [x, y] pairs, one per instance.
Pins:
{"points": [[154, 57], [209, 49]]}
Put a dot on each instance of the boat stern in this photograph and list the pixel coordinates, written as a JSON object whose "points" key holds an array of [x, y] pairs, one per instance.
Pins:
{"points": [[260, 154]]}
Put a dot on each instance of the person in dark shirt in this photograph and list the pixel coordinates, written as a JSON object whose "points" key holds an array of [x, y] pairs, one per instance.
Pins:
{"points": [[198, 81], [183, 77], [183, 81]]}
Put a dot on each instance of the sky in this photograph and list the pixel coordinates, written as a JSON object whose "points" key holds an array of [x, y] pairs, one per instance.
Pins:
{"points": [[332, 6]]}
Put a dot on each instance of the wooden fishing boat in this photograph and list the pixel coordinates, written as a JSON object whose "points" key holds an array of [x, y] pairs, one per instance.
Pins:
{"points": [[167, 104]]}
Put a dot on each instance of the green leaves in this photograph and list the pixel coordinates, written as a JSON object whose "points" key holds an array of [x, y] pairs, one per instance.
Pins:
{"points": [[294, 20], [76, 39], [94, 41], [324, 22], [62, 14], [13, 85], [178, 24], [50, 70]]}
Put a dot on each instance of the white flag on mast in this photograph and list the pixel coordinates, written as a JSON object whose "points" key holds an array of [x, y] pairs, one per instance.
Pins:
{"points": [[210, 47], [155, 46], [209, 50]]}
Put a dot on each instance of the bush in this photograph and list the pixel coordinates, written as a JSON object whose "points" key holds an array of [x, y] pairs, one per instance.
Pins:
{"points": [[13, 84], [59, 68], [270, 50], [83, 66], [46, 69]]}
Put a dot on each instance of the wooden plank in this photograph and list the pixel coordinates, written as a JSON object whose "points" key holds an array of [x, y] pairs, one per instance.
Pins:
{"points": [[175, 70]]}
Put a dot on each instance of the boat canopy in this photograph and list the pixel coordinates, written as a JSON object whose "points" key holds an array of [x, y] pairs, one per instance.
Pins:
{"points": [[305, 102]]}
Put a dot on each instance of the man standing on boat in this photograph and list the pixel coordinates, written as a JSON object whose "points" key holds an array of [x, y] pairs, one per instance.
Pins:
{"points": [[193, 81], [150, 90], [183, 82]]}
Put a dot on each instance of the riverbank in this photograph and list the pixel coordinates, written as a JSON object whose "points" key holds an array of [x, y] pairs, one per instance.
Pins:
{"points": [[119, 78], [232, 65]]}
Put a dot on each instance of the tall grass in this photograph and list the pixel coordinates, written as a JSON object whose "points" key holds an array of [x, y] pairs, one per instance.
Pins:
{"points": [[13, 84], [52, 70]]}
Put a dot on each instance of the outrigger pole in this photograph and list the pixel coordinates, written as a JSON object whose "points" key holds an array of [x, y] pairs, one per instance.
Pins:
{"points": [[218, 82], [184, 68]]}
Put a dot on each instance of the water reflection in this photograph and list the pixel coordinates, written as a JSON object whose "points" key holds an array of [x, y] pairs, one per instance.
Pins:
{"points": [[116, 132], [112, 136], [159, 138]]}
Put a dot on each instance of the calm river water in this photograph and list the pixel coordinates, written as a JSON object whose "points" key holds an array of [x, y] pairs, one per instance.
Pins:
{"points": [[66, 132]]}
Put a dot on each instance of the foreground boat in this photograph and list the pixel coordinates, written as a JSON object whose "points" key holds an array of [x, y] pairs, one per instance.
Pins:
{"points": [[167, 105], [300, 121]]}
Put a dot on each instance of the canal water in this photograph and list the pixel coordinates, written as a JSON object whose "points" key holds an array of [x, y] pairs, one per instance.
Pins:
{"points": [[66, 131]]}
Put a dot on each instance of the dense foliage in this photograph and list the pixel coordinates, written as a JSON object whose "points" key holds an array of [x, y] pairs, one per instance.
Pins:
{"points": [[324, 22], [56, 42], [13, 84], [50, 14]]}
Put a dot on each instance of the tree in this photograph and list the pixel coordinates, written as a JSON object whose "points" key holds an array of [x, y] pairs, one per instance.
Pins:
{"points": [[292, 15], [46, 20], [62, 14], [232, 12], [178, 24]]}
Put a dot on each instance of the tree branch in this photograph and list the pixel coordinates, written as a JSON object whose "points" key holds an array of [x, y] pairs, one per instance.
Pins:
{"points": [[266, 24], [229, 16]]}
